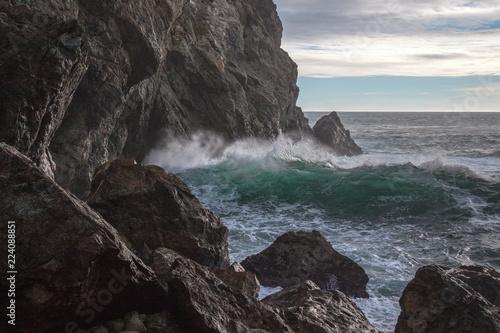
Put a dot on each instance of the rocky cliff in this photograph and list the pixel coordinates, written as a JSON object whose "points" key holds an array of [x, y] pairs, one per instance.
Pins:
{"points": [[77, 271], [85, 82]]}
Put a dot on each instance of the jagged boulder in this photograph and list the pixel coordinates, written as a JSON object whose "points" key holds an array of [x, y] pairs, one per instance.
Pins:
{"points": [[330, 131], [153, 208], [308, 309], [439, 299], [72, 268], [300, 256], [237, 277], [200, 302]]}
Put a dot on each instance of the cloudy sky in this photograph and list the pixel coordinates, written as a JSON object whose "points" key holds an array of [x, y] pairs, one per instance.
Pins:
{"points": [[395, 55]]}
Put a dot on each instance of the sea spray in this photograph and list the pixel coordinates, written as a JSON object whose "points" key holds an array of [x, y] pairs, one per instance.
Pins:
{"points": [[402, 205]]}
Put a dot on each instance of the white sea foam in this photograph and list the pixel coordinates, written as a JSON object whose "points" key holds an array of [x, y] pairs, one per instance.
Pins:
{"points": [[178, 154], [204, 149]]}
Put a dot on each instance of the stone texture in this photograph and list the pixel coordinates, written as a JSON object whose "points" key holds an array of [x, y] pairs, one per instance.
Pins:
{"points": [[308, 309], [161, 322], [330, 131], [87, 82], [200, 302], [300, 256], [67, 256], [43, 58], [484, 280], [133, 322], [153, 208], [237, 277], [438, 300], [99, 329], [169, 69], [115, 326]]}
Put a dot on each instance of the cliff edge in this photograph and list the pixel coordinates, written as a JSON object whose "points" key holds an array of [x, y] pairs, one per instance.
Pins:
{"points": [[87, 82]]}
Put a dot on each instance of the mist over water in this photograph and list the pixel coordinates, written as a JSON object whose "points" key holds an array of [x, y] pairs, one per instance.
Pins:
{"points": [[427, 190]]}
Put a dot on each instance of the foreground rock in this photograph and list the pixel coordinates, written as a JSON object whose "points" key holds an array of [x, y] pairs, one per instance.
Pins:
{"points": [[308, 309], [200, 302], [161, 322], [300, 256], [438, 300], [73, 270], [330, 131], [304, 308], [153, 208], [237, 277]]}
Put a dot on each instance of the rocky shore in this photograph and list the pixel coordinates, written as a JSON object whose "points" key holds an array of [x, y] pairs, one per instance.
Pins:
{"points": [[78, 271], [84, 271], [106, 244]]}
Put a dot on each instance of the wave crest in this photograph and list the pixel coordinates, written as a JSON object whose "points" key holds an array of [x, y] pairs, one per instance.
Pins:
{"points": [[207, 149]]}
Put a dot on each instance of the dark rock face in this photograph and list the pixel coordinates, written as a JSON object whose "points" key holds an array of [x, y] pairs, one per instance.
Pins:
{"points": [[161, 322], [300, 256], [484, 280], [200, 302], [438, 300], [127, 42], [330, 131], [153, 208], [87, 82], [43, 58], [236, 277], [68, 258], [170, 68], [308, 309]]}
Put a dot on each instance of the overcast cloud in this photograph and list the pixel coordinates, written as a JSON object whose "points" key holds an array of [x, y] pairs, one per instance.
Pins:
{"points": [[333, 38]]}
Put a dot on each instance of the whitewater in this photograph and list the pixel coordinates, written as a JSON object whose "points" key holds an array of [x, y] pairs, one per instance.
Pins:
{"points": [[425, 191]]}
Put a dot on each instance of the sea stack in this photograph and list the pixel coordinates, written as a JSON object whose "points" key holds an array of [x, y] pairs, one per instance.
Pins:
{"points": [[330, 131]]}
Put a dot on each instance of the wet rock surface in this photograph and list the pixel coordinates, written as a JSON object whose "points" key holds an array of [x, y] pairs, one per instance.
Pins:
{"points": [[330, 131], [237, 277], [73, 269], [200, 302], [296, 257], [153, 208], [308, 309], [439, 299]]}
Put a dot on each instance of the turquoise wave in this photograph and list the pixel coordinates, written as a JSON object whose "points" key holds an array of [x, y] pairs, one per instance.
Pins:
{"points": [[391, 219], [369, 192]]}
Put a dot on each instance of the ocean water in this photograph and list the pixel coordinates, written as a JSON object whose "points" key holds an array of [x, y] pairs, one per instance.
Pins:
{"points": [[426, 191]]}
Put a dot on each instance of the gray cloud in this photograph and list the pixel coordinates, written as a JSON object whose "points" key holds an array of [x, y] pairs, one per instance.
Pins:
{"points": [[397, 34], [442, 56]]}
